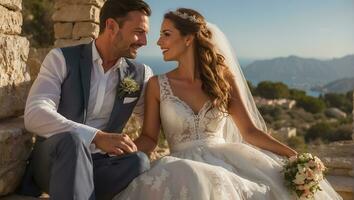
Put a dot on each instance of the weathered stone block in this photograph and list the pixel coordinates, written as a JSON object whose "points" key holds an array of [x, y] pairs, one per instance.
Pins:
{"points": [[63, 30], [12, 4], [62, 3], [338, 172], [70, 42], [10, 21], [76, 13], [335, 149], [15, 146], [85, 29], [339, 162], [14, 76], [351, 173]]}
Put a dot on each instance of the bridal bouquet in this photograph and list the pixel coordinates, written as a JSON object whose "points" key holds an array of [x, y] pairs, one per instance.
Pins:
{"points": [[303, 173]]}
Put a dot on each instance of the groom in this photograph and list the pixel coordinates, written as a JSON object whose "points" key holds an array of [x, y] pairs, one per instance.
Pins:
{"points": [[81, 101]]}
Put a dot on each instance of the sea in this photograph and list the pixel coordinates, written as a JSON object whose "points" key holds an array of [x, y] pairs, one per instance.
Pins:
{"points": [[159, 66]]}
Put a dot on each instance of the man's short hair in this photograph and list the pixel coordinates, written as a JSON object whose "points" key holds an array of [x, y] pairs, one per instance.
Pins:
{"points": [[119, 9]]}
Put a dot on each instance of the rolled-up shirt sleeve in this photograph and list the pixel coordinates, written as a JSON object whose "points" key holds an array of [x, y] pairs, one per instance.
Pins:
{"points": [[41, 116], [139, 108]]}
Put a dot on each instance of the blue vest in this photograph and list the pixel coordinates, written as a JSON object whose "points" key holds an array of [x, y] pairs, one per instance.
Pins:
{"points": [[75, 89]]}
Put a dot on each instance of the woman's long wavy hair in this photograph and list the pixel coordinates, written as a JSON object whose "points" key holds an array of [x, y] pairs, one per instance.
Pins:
{"points": [[209, 64]]}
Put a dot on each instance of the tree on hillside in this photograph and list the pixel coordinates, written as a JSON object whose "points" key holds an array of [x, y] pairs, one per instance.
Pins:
{"points": [[311, 104], [37, 22], [296, 94], [252, 88], [339, 101], [320, 130], [329, 132], [271, 90]]}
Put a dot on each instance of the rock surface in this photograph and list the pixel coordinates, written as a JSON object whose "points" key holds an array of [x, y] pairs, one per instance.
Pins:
{"points": [[15, 146], [12, 4], [10, 21], [14, 75], [74, 13]]}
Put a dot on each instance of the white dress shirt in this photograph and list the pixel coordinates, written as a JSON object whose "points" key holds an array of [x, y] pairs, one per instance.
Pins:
{"points": [[41, 116]]}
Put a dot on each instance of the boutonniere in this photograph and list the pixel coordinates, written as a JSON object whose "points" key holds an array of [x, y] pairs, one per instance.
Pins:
{"points": [[127, 86]]}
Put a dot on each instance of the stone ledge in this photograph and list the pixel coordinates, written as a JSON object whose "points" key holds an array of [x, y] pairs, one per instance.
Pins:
{"points": [[339, 162], [334, 149], [342, 183]]}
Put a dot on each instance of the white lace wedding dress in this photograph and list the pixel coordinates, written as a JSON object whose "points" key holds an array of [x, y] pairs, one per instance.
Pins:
{"points": [[203, 166]]}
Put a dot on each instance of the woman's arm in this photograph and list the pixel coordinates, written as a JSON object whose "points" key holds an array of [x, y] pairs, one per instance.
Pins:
{"points": [[148, 139], [249, 131]]}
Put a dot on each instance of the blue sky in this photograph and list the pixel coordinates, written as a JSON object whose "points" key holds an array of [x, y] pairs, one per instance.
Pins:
{"points": [[260, 29]]}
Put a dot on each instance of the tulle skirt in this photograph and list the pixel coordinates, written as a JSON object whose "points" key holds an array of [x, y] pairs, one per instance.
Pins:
{"points": [[214, 169]]}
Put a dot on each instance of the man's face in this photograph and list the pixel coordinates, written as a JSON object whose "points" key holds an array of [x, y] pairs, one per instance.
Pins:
{"points": [[132, 35]]}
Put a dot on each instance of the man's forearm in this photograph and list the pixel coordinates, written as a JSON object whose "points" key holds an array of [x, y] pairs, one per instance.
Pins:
{"points": [[42, 119]]}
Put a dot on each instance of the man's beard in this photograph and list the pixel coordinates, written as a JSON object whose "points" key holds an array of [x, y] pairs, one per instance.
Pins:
{"points": [[128, 52]]}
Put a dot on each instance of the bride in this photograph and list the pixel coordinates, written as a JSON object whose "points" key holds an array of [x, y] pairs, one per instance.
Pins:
{"points": [[218, 141]]}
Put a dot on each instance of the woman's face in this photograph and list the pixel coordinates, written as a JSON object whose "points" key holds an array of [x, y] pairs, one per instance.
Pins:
{"points": [[171, 42]]}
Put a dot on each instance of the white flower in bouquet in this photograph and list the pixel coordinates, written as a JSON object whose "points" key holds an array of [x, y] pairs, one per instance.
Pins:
{"points": [[302, 175]]}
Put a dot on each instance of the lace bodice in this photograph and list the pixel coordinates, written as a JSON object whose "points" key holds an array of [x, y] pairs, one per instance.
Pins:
{"points": [[179, 122]]}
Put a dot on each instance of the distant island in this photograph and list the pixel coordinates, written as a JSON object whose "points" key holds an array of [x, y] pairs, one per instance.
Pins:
{"points": [[338, 86]]}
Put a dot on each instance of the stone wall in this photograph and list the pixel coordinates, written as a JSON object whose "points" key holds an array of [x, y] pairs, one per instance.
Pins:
{"points": [[76, 21], [14, 75], [338, 157], [15, 143]]}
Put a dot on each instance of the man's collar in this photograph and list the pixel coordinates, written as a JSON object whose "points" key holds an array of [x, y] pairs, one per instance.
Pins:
{"points": [[97, 58]]}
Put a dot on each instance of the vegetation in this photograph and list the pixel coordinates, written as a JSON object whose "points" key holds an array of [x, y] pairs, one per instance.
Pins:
{"points": [[308, 116], [341, 101], [311, 104], [271, 90], [37, 23], [328, 132]]}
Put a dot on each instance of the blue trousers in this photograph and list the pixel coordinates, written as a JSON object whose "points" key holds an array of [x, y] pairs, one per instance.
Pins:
{"points": [[64, 167]]}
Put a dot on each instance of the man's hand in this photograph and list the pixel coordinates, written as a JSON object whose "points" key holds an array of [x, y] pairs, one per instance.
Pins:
{"points": [[113, 143]]}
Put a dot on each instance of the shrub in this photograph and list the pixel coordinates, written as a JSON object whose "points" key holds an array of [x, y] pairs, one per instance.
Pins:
{"points": [[37, 23], [273, 111], [340, 101], [329, 132], [296, 94], [270, 90], [320, 130], [343, 132], [311, 104]]}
